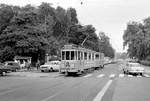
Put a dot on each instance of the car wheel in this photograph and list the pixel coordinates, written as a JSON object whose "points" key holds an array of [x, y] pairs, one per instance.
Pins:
{"points": [[124, 71], [42, 70], [51, 69], [127, 72]]}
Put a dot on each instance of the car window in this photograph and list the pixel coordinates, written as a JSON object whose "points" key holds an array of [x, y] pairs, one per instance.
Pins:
{"points": [[47, 63], [10, 64], [134, 64], [13, 64], [52, 63], [55, 63]]}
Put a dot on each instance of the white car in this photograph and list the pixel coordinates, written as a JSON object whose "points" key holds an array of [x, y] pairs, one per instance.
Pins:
{"points": [[50, 66], [133, 68]]}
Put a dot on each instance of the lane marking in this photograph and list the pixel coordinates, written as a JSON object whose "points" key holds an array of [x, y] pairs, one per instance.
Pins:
{"points": [[9, 91], [146, 75], [102, 92], [101, 75], [50, 97], [112, 76], [87, 75], [121, 75]]}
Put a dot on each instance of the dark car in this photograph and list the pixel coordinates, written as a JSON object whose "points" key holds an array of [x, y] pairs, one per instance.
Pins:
{"points": [[3, 70], [13, 66]]}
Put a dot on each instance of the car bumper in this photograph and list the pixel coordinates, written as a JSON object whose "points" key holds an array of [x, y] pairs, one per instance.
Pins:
{"points": [[136, 71]]}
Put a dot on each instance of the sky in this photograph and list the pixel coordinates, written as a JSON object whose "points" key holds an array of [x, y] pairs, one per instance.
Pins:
{"points": [[109, 16]]}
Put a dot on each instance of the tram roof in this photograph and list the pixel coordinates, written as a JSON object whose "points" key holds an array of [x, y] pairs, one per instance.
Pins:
{"points": [[76, 47]]}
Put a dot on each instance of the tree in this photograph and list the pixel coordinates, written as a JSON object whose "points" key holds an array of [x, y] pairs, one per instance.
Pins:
{"points": [[137, 38], [37, 31], [23, 36], [7, 14], [105, 46]]}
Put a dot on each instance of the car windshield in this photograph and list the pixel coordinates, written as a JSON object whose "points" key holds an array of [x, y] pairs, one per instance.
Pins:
{"points": [[52, 63], [55, 63], [134, 64], [47, 63]]}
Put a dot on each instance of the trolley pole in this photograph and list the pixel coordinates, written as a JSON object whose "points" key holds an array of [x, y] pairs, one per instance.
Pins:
{"points": [[84, 40]]}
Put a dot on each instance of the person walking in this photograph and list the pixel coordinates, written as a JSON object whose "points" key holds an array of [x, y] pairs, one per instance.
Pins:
{"points": [[27, 65], [38, 65]]}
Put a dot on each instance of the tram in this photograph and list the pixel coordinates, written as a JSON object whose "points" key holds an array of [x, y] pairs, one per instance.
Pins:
{"points": [[76, 59]]}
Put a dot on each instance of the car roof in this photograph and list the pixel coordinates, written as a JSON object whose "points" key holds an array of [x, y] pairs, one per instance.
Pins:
{"points": [[133, 63]]}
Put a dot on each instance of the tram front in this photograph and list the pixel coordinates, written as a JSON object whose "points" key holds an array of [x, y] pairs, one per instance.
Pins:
{"points": [[69, 61]]}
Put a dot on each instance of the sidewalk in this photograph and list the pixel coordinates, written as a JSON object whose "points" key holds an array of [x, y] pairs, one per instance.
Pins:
{"points": [[35, 73], [31, 70]]}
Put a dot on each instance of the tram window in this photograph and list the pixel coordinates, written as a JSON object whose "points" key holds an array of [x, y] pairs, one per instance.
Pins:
{"points": [[75, 55], [72, 55], [89, 56], [63, 55], [79, 57], [92, 56], [97, 56], [67, 55], [85, 56]]}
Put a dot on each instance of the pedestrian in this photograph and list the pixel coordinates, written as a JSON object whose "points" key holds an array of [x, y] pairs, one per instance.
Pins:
{"points": [[27, 65], [38, 65]]}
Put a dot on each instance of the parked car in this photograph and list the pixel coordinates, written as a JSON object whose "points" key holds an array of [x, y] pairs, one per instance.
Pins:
{"points": [[3, 70], [133, 68], [50, 66], [13, 66]]}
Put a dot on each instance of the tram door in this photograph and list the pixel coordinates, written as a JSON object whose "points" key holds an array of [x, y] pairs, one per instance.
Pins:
{"points": [[80, 61]]}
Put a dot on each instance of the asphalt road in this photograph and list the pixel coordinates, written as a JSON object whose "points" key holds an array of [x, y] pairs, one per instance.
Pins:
{"points": [[108, 84]]}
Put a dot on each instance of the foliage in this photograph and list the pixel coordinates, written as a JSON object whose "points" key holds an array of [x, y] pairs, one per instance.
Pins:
{"points": [[6, 54], [37, 31], [105, 46], [137, 38]]}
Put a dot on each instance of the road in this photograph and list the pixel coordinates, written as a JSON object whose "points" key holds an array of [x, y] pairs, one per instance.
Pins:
{"points": [[108, 84]]}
